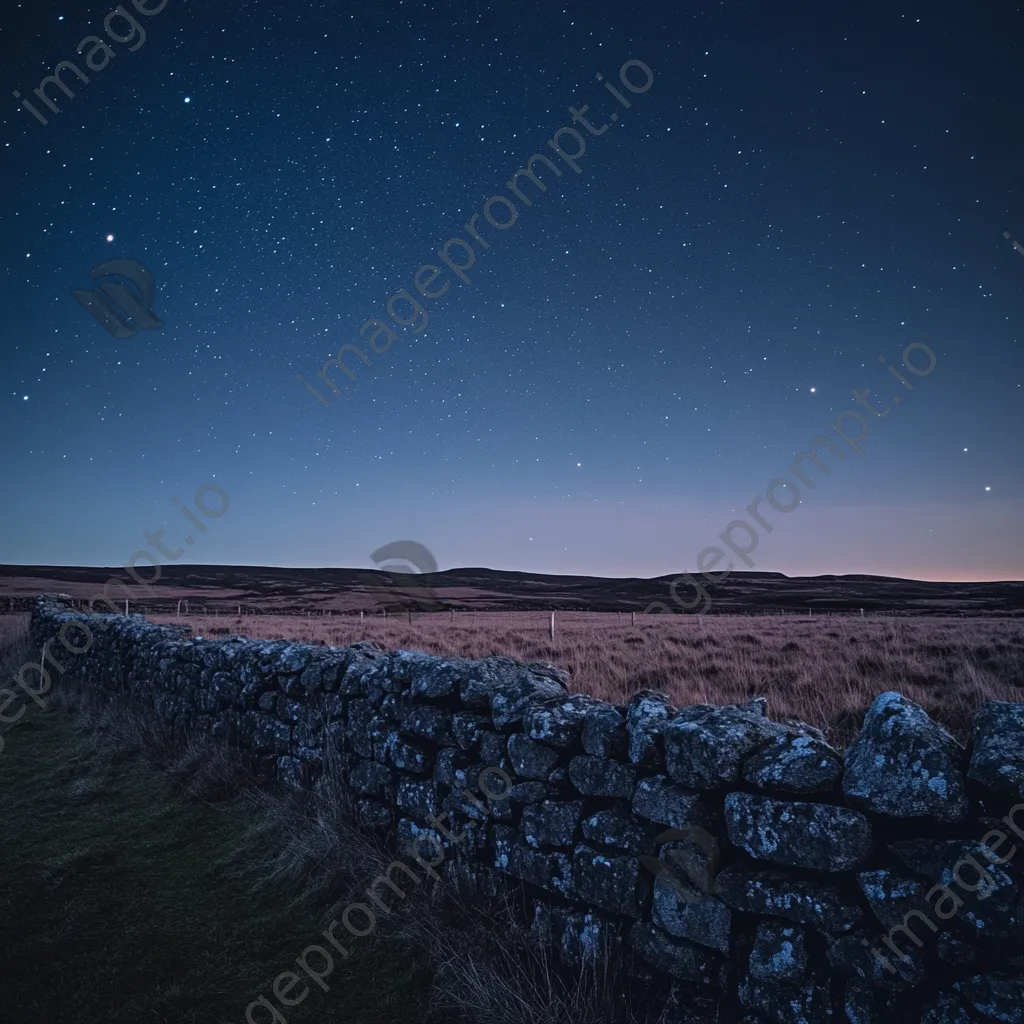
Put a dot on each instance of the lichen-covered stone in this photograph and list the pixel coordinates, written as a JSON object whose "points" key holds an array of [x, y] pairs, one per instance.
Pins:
{"points": [[705, 747], [558, 723], [467, 729], [904, 765], [647, 715], [675, 957], [809, 1003], [530, 759], [409, 756], [427, 722], [579, 936], [773, 893], [493, 747], [551, 823], [795, 764], [667, 803], [779, 953], [552, 870], [867, 957], [824, 837], [372, 814], [687, 913], [997, 759], [369, 778], [292, 772], [596, 776], [995, 997], [607, 881], [528, 792], [604, 732], [417, 796], [616, 827], [893, 894], [986, 898]]}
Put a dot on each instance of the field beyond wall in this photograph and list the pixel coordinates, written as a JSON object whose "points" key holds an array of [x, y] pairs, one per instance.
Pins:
{"points": [[823, 670]]}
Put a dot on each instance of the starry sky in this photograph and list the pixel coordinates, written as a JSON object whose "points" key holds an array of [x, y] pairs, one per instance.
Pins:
{"points": [[792, 193]]}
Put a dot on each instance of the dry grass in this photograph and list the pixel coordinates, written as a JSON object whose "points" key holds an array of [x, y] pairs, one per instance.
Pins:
{"points": [[824, 670]]}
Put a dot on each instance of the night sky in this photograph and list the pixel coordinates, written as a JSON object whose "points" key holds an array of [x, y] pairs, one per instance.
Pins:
{"points": [[802, 189]]}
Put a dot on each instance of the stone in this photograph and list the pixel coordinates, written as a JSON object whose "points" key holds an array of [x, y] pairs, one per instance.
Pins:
{"points": [[685, 912], [512, 855], [409, 756], [558, 723], [493, 747], [773, 893], [675, 957], [946, 1008], [995, 997], [804, 835], [997, 759], [417, 796], [580, 937], [368, 778], [990, 900], [596, 776], [705, 747], [618, 828], [809, 1003], [647, 714], [604, 732], [606, 881], [268, 735], [427, 722], [667, 803], [467, 729], [779, 953], [292, 772], [867, 957], [528, 792], [447, 763], [530, 759], [795, 764], [551, 823], [892, 895], [904, 765]]}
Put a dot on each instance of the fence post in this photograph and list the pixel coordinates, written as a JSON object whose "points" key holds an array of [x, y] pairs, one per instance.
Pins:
{"points": [[632, 618], [551, 627]]}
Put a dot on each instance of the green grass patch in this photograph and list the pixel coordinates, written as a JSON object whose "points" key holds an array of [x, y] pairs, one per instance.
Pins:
{"points": [[124, 900]]}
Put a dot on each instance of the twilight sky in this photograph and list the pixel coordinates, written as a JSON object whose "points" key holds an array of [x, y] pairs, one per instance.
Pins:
{"points": [[796, 191]]}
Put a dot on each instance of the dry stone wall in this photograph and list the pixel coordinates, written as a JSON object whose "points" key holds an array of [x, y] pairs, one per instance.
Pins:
{"points": [[770, 876]]}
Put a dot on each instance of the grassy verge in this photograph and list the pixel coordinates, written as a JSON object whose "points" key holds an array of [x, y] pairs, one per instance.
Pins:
{"points": [[124, 900]]}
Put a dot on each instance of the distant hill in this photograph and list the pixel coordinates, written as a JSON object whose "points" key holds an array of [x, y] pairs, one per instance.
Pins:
{"points": [[280, 590]]}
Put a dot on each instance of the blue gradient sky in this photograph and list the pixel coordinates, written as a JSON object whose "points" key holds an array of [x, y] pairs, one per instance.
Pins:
{"points": [[634, 360]]}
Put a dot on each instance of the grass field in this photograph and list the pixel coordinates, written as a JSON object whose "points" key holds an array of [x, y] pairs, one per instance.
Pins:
{"points": [[824, 670]]}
